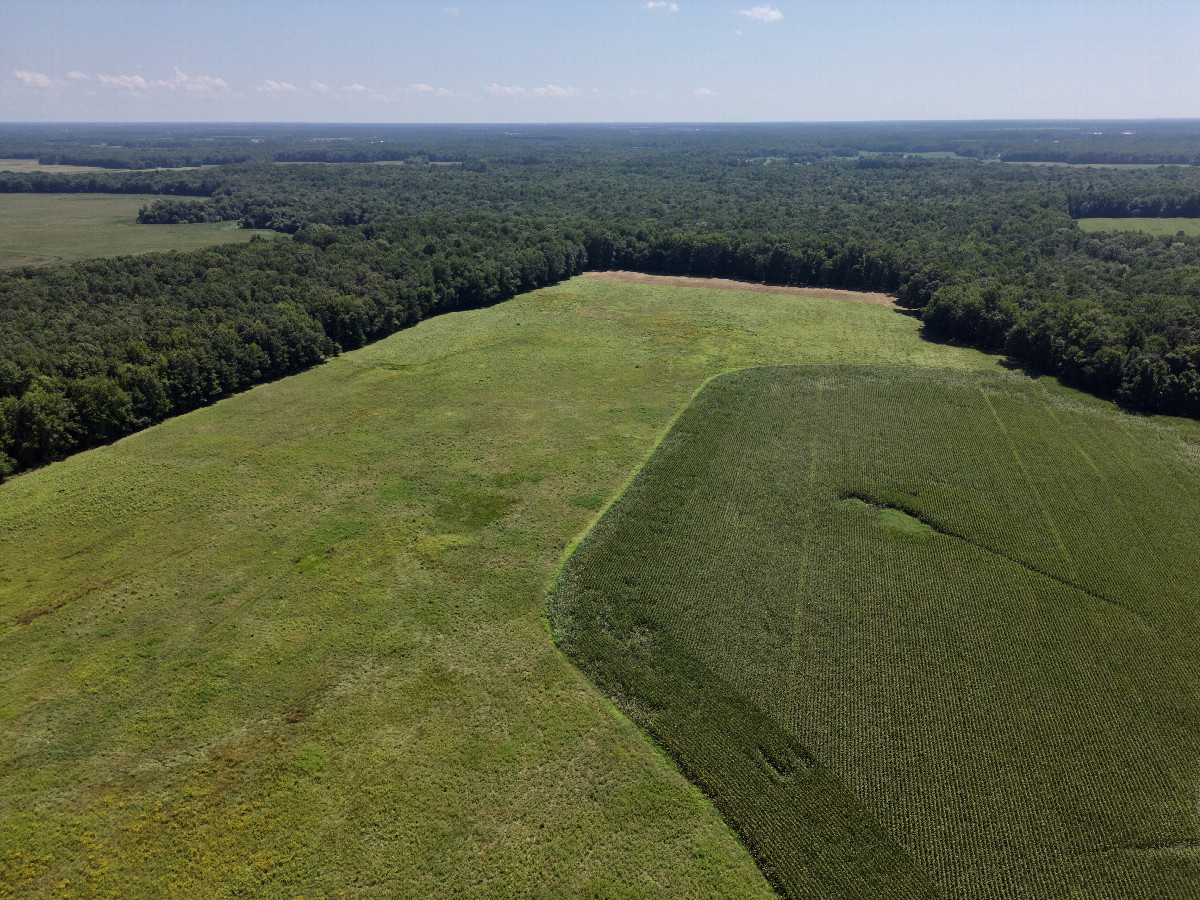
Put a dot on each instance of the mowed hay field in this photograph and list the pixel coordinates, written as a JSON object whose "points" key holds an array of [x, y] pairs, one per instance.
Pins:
{"points": [[918, 633], [292, 645], [1168, 226], [36, 229]]}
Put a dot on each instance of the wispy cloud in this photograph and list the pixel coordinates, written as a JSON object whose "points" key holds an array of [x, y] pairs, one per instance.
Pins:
{"points": [[660, 4], [76, 75], [553, 90], [180, 81], [357, 91], [33, 79], [429, 89], [704, 92], [762, 13], [450, 10], [277, 87], [515, 90], [129, 82], [505, 90], [198, 82], [319, 87]]}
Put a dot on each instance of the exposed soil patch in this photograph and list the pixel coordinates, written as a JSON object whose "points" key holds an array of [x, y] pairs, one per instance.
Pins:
{"points": [[726, 284]]}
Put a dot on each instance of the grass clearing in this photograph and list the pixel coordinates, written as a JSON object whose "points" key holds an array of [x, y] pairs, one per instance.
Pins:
{"points": [[38, 229], [29, 166], [917, 633], [32, 166], [295, 644], [1168, 226]]}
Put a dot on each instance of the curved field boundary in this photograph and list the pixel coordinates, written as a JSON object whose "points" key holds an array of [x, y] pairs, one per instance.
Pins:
{"points": [[726, 284]]}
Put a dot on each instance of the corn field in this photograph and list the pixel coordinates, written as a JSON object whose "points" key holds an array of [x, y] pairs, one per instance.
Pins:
{"points": [[915, 634]]}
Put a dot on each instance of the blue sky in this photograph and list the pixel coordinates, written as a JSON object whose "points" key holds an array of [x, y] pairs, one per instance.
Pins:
{"points": [[585, 61]]}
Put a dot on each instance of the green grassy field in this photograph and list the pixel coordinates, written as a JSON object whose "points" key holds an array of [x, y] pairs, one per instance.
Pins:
{"points": [[917, 633], [9, 164], [1153, 226], [36, 229], [292, 645]]}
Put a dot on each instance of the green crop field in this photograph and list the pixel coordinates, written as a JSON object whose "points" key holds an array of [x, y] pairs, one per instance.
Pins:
{"points": [[917, 633], [1153, 226], [36, 229], [292, 644]]}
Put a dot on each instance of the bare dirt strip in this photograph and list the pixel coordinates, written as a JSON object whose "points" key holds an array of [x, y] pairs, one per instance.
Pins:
{"points": [[726, 284]]}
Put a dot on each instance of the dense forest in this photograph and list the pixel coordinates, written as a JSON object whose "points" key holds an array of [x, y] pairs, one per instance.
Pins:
{"points": [[985, 252]]}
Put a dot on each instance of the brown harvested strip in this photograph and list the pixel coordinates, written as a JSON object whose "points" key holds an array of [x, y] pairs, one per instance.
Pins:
{"points": [[727, 284]]}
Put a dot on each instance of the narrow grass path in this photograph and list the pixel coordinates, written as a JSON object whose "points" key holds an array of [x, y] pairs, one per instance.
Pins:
{"points": [[291, 645]]}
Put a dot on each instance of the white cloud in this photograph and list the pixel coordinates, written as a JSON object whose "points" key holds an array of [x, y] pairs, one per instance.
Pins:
{"points": [[659, 4], [553, 90], [422, 88], [206, 83], [450, 10], [704, 92], [762, 13], [637, 92], [33, 79], [505, 90], [515, 90], [198, 82], [356, 88], [76, 75], [277, 86], [129, 82], [319, 88]]}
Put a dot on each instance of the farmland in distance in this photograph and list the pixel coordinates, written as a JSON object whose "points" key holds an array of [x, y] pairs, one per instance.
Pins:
{"points": [[36, 229], [917, 634], [1156, 226]]}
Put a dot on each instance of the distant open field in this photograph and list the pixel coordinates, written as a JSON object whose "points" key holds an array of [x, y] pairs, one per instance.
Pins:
{"points": [[1018, 162], [293, 644], [32, 165], [1152, 226], [36, 229], [726, 284], [928, 154], [919, 634]]}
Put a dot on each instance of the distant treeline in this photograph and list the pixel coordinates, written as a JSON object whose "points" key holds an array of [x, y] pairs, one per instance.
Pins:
{"points": [[987, 254], [193, 183], [154, 146], [1123, 206], [93, 351]]}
